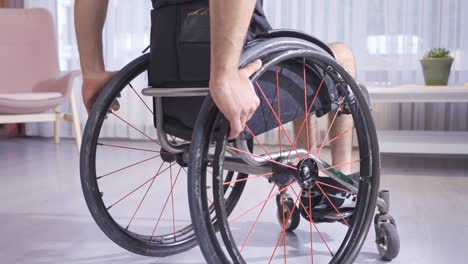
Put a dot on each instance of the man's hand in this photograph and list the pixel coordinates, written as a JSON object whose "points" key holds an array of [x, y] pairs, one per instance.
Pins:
{"points": [[93, 84], [235, 96]]}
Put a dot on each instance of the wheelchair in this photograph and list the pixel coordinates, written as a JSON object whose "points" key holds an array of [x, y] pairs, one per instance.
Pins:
{"points": [[199, 188]]}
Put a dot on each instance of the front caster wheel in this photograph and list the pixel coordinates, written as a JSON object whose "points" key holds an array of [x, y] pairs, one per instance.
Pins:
{"points": [[285, 219], [388, 241]]}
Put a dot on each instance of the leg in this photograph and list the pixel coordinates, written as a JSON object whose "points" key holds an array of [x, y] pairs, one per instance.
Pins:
{"points": [[342, 147], [302, 139]]}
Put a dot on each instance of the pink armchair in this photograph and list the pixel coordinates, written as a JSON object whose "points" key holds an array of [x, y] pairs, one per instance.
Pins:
{"points": [[31, 83]]}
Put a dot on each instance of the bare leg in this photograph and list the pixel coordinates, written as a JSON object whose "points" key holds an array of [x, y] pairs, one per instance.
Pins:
{"points": [[302, 139], [90, 16], [341, 148]]}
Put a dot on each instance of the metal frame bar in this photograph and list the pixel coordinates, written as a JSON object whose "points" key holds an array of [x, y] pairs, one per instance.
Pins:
{"points": [[162, 135], [158, 94], [175, 92]]}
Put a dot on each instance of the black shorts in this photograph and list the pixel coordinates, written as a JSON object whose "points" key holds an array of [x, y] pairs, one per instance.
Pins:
{"points": [[180, 52], [259, 22]]}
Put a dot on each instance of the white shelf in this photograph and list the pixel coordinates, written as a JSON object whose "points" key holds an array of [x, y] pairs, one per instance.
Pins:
{"points": [[423, 142], [419, 94]]}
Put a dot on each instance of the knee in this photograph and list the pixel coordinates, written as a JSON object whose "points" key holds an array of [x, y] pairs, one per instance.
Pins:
{"points": [[344, 55]]}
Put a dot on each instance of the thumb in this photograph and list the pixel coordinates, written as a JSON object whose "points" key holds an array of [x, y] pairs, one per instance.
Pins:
{"points": [[252, 68]]}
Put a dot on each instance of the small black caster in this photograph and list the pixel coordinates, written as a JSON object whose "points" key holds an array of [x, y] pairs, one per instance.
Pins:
{"points": [[388, 241], [387, 238], [284, 213]]}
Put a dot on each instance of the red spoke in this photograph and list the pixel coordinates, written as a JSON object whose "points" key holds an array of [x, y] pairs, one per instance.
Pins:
{"points": [[132, 126], [257, 205], [125, 147], [172, 203], [143, 101], [334, 206], [249, 178], [305, 107], [277, 119], [308, 113], [283, 233], [313, 223], [337, 137], [256, 220], [142, 199], [337, 188], [329, 128], [129, 166], [137, 188], [258, 141], [164, 207], [279, 106], [340, 165], [255, 155]]}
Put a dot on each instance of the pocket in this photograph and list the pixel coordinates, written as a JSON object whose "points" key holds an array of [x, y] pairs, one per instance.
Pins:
{"points": [[180, 44], [193, 43], [163, 53]]}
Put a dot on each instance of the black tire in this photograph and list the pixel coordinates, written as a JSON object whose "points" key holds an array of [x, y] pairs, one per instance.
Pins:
{"points": [[209, 119], [133, 242], [284, 215], [388, 242]]}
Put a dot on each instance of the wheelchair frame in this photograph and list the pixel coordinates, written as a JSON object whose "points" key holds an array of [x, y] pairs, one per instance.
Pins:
{"points": [[241, 162], [248, 164]]}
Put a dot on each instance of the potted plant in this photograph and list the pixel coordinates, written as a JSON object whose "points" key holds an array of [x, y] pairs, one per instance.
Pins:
{"points": [[436, 65]]}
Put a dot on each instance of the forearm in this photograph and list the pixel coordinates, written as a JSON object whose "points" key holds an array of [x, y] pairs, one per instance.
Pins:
{"points": [[90, 16], [230, 20]]}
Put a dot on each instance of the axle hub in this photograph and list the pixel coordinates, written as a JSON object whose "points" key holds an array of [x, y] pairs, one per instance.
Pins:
{"points": [[307, 173]]}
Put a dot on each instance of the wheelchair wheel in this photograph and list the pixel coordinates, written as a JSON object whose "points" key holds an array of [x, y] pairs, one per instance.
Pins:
{"points": [[135, 189], [337, 207]]}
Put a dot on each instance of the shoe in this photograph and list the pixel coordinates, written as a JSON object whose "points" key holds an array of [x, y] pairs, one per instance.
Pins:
{"points": [[340, 199]]}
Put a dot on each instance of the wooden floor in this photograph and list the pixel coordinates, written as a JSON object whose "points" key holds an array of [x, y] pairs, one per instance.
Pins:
{"points": [[44, 218]]}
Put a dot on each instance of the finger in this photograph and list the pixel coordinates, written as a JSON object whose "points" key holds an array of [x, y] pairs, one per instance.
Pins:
{"points": [[250, 114], [236, 128], [252, 68], [257, 102], [244, 120], [253, 108], [89, 106]]}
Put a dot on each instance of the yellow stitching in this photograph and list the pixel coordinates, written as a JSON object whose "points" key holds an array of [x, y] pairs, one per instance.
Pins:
{"points": [[199, 12]]}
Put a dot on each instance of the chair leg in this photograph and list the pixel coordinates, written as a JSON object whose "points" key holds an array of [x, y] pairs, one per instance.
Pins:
{"points": [[76, 121], [57, 125]]}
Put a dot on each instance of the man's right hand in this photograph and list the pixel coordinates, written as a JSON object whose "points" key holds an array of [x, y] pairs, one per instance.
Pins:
{"points": [[235, 96], [93, 84]]}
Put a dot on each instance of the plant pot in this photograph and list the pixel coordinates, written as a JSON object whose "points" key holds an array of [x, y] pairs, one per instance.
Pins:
{"points": [[436, 70]]}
